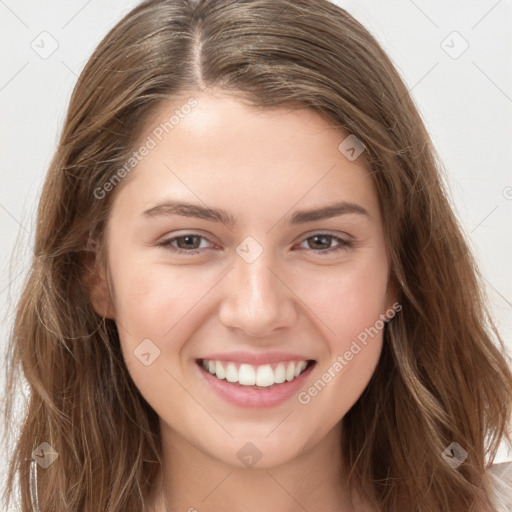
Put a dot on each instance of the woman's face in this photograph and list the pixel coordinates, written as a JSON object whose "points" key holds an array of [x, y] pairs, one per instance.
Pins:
{"points": [[248, 238]]}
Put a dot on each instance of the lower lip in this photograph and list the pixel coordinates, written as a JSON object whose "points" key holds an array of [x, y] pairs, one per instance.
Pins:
{"points": [[244, 396]]}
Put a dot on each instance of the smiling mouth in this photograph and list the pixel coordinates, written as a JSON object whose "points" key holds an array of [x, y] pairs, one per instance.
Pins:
{"points": [[266, 376]]}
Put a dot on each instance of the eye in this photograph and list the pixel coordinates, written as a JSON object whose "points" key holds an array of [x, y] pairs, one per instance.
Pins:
{"points": [[190, 243], [323, 242]]}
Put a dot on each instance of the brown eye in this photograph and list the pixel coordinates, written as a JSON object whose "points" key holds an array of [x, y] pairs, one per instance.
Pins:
{"points": [[189, 243], [321, 243]]}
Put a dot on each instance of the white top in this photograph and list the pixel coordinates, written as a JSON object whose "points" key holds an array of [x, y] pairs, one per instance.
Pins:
{"points": [[501, 477]]}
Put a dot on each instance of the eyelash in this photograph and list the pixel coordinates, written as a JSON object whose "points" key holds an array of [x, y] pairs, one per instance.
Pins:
{"points": [[343, 244]]}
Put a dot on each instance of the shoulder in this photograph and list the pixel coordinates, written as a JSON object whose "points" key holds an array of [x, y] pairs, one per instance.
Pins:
{"points": [[501, 481]]}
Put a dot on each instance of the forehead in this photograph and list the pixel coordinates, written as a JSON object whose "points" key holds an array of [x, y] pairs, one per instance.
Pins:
{"points": [[226, 126], [223, 150]]}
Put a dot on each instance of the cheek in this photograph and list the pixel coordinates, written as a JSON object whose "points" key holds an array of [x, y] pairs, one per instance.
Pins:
{"points": [[155, 309], [152, 298], [162, 304], [346, 300]]}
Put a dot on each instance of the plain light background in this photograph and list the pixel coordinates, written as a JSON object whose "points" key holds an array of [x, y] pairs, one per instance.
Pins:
{"points": [[454, 56]]}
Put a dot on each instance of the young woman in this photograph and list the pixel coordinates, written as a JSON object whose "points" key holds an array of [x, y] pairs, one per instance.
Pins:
{"points": [[249, 290]]}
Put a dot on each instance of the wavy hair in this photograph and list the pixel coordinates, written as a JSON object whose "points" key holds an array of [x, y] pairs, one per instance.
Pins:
{"points": [[442, 377]]}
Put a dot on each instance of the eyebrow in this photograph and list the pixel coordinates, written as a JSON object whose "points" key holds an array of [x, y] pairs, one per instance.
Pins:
{"points": [[219, 215]]}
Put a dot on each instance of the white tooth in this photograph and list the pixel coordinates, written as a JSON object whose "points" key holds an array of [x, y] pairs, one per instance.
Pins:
{"points": [[265, 376], [290, 371], [299, 367], [231, 373], [279, 374], [219, 370], [246, 375]]}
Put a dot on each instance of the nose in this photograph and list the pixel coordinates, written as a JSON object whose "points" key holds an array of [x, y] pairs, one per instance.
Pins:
{"points": [[257, 299]]}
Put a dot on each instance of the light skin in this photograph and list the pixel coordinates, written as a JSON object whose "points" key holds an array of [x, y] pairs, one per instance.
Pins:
{"points": [[260, 167]]}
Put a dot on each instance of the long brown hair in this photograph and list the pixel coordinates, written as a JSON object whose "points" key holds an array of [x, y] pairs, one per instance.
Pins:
{"points": [[442, 376]]}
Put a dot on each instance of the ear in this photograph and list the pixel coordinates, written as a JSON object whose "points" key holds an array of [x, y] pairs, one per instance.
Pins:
{"points": [[96, 282]]}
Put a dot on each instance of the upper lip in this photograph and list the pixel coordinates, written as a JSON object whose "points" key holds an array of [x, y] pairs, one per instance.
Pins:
{"points": [[256, 359]]}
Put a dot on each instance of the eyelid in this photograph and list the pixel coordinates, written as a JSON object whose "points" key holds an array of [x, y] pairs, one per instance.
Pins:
{"points": [[343, 243], [326, 232], [166, 243]]}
